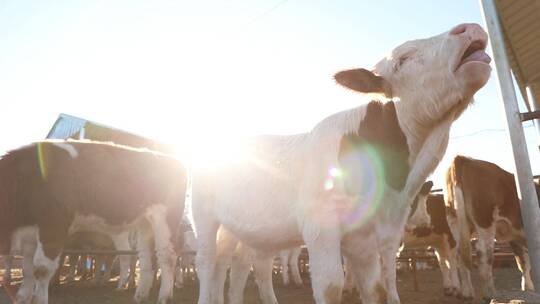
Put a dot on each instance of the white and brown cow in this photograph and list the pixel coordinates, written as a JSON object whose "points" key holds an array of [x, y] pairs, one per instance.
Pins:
{"points": [[346, 186], [51, 189], [432, 224], [487, 205]]}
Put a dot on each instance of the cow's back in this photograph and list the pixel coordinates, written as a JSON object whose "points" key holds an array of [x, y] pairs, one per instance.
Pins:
{"points": [[485, 187], [53, 181]]}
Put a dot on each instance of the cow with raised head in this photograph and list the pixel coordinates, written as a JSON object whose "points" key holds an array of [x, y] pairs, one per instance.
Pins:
{"points": [[485, 199], [346, 186], [52, 189]]}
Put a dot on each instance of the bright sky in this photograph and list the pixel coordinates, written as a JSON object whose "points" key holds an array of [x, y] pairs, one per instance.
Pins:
{"points": [[184, 70]]}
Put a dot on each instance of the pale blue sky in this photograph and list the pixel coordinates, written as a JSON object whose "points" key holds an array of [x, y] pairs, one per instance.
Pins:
{"points": [[182, 70]]}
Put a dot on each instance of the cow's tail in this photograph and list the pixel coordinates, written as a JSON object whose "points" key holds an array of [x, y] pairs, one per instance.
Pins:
{"points": [[456, 201], [463, 228]]}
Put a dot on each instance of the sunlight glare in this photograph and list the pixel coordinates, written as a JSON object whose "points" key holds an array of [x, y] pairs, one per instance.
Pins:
{"points": [[212, 151]]}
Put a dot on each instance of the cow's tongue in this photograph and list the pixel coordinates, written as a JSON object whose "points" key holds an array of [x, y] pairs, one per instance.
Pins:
{"points": [[479, 55]]}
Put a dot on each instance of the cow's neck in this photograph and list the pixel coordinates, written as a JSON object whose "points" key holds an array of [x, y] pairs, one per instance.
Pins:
{"points": [[414, 128], [427, 143], [417, 121]]}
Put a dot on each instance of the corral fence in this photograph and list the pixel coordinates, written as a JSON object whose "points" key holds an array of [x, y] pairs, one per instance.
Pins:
{"points": [[409, 260]]}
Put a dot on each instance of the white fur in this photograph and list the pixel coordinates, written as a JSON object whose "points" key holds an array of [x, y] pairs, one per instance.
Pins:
{"points": [[277, 198], [166, 256], [24, 242], [41, 292], [73, 153]]}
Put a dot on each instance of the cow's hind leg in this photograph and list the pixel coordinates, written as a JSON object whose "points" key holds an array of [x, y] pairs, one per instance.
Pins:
{"points": [[24, 295], [165, 253], [46, 261], [121, 242], [446, 271], [524, 264], [146, 269], [484, 249]]}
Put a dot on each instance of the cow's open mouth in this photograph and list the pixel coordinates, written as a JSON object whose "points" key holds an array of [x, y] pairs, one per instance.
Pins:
{"points": [[475, 52]]}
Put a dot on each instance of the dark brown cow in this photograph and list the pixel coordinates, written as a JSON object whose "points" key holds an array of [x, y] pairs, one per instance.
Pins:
{"points": [[431, 224], [51, 189], [486, 201]]}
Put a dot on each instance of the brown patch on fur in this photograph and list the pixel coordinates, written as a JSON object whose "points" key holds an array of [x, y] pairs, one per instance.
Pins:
{"points": [[40, 272], [420, 232], [380, 131], [437, 212], [485, 187], [380, 291], [466, 258], [332, 294]]}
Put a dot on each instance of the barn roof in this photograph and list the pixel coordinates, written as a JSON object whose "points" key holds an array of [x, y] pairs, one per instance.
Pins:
{"points": [[68, 126], [520, 21]]}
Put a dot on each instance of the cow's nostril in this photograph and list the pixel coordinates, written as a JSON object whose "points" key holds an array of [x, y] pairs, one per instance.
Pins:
{"points": [[460, 29]]}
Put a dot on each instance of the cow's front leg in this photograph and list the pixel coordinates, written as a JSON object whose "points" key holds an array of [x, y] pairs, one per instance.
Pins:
{"points": [[388, 258], [240, 268], [362, 253], [46, 261], [262, 267], [325, 263]]}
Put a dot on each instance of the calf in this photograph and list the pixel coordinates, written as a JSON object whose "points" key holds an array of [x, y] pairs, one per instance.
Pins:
{"points": [[486, 201], [51, 189], [431, 224], [347, 185]]}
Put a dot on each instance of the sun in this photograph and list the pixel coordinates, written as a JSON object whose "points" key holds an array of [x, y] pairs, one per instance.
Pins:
{"points": [[212, 151]]}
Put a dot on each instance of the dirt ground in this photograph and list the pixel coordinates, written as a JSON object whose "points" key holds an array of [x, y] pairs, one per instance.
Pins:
{"points": [[429, 281]]}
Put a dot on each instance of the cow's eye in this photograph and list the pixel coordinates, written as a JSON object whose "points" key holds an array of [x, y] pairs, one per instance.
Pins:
{"points": [[402, 60]]}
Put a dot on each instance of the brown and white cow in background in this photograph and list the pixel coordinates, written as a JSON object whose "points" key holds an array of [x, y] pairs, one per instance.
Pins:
{"points": [[487, 205], [431, 224], [428, 226], [346, 186], [51, 189]]}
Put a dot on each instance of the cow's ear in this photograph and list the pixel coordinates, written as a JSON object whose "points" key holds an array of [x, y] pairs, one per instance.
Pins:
{"points": [[363, 81], [426, 187]]}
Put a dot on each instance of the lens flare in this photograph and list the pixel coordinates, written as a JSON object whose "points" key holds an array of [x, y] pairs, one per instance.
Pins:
{"points": [[364, 177], [41, 161]]}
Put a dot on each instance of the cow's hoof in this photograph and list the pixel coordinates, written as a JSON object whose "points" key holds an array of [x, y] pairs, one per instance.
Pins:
{"points": [[164, 300], [139, 298], [486, 300]]}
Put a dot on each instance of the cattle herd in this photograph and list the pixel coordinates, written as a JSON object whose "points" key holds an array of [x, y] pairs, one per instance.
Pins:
{"points": [[352, 191]]}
